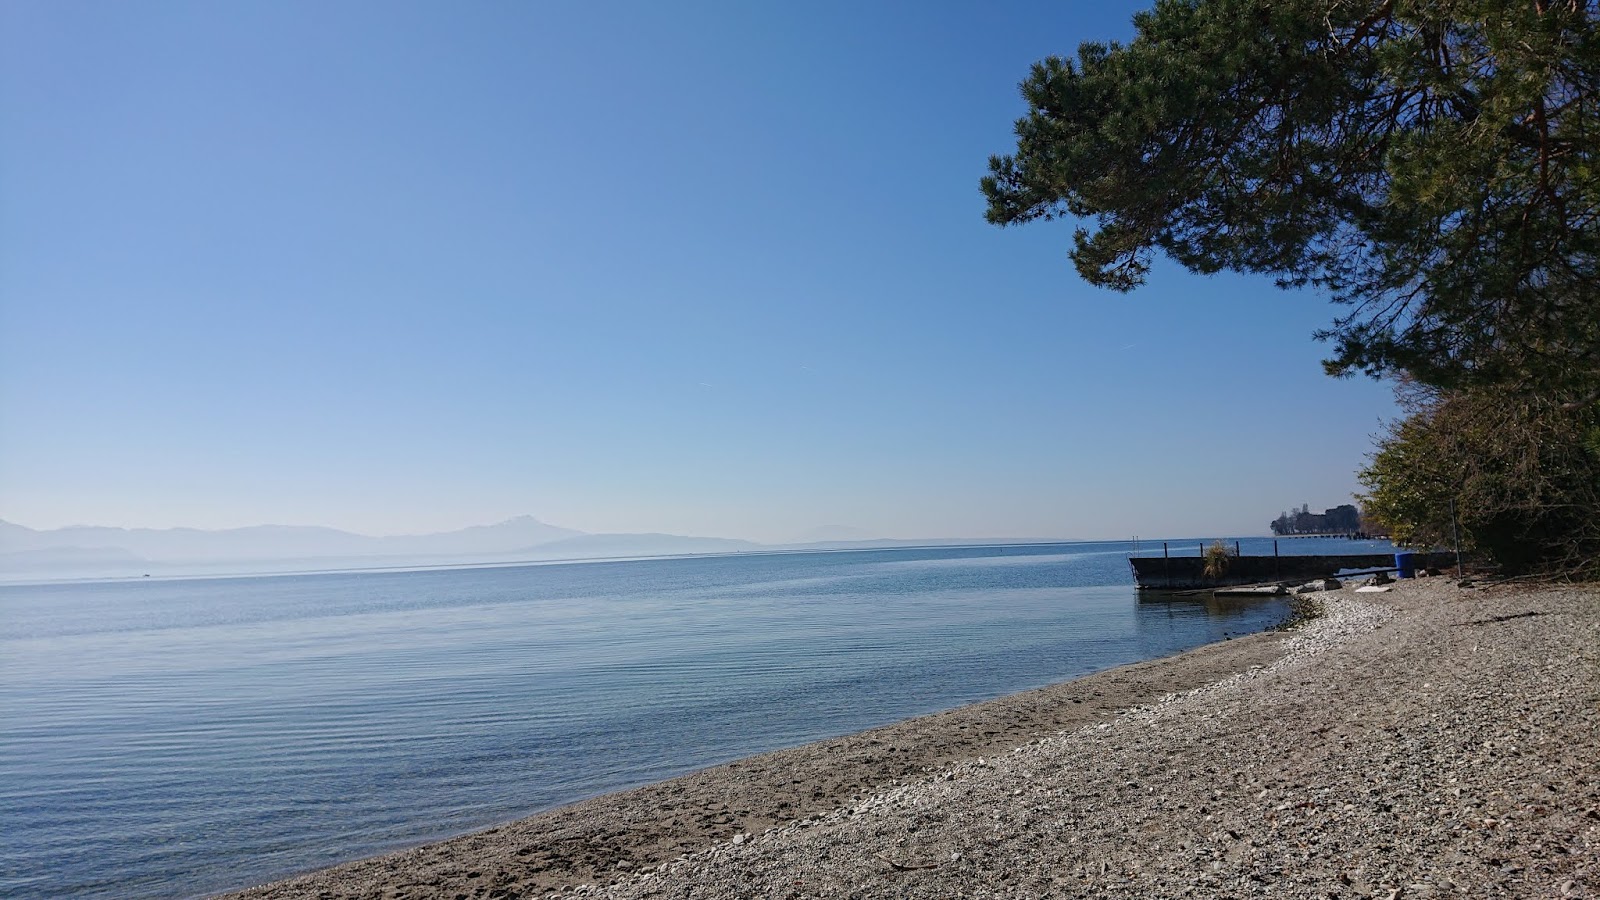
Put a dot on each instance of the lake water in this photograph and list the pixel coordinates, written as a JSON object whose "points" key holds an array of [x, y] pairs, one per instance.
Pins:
{"points": [[177, 737]]}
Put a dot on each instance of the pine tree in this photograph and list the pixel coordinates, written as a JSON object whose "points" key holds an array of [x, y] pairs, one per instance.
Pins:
{"points": [[1429, 164]]}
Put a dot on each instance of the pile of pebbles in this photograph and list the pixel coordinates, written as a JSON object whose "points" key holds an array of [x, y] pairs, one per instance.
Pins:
{"points": [[1431, 741]]}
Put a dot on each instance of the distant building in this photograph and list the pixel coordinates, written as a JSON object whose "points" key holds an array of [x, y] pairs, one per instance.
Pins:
{"points": [[1344, 519]]}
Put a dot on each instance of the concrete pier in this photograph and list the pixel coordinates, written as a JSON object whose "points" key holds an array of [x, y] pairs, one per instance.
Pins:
{"points": [[1185, 573]]}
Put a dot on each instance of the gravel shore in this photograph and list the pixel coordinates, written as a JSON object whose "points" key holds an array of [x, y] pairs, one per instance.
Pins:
{"points": [[1430, 741]]}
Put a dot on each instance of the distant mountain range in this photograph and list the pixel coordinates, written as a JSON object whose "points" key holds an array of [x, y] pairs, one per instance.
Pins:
{"points": [[282, 541], [101, 552], [94, 551]]}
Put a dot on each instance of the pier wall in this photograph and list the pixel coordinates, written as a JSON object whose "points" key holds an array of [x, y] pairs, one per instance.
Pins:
{"points": [[1180, 573]]}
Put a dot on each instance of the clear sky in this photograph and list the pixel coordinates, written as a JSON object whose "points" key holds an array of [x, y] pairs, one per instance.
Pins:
{"points": [[714, 269]]}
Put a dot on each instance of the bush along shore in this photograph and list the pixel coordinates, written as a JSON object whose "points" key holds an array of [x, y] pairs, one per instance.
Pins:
{"points": [[1431, 741]]}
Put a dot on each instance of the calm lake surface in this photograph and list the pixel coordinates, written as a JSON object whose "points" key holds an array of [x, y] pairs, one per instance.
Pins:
{"points": [[177, 737]]}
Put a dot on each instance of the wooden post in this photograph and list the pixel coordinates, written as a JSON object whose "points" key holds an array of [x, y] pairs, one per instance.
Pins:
{"points": [[1455, 534], [1166, 565]]}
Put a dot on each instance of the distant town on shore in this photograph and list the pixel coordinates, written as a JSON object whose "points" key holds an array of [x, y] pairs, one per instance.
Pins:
{"points": [[1345, 519]]}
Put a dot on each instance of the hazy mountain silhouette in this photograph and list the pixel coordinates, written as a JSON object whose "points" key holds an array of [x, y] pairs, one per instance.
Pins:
{"points": [[97, 551], [87, 551], [282, 541]]}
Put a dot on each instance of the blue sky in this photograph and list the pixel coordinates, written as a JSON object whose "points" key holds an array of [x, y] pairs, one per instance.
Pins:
{"points": [[711, 269]]}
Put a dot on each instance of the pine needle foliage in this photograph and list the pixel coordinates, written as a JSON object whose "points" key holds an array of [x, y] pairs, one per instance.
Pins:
{"points": [[1430, 164]]}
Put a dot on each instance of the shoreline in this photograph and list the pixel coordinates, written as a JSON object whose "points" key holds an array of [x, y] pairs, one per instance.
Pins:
{"points": [[1429, 741], [613, 835]]}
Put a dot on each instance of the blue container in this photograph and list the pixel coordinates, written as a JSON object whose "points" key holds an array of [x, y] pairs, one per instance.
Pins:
{"points": [[1405, 565]]}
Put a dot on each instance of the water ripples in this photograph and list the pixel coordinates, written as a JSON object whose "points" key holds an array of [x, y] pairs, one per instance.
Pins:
{"points": [[176, 737]]}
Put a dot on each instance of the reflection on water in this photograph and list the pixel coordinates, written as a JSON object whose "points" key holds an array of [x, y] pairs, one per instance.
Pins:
{"points": [[1252, 610], [175, 737]]}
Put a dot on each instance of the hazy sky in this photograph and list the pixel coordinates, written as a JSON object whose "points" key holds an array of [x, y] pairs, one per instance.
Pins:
{"points": [[700, 268]]}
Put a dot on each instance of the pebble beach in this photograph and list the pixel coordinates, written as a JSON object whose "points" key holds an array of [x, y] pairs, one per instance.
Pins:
{"points": [[1429, 741]]}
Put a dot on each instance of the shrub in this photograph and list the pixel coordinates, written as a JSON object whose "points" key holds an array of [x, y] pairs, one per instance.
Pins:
{"points": [[1216, 560], [1523, 471]]}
